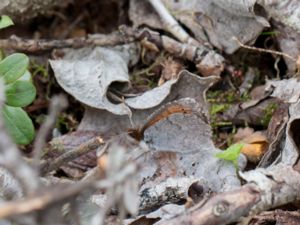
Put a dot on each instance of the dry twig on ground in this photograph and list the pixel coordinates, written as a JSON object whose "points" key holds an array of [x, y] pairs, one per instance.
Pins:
{"points": [[50, 165], [58, 103], [34, 46]]}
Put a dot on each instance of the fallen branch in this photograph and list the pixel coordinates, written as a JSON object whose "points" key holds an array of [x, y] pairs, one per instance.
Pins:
{"points": [[50, 165], [264, 50], [221, 209], [54, 193], [34, 46], [265, 189], [58, 103], [171, 24], [207, 61], [42, 200]]}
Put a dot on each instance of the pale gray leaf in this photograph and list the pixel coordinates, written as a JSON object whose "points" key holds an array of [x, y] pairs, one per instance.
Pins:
{"points": [[279, 89], [206, 18], [87, 74]]}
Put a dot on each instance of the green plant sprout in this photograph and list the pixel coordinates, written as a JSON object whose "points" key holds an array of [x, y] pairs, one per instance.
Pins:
{"points": [[19, 92], [231, 153], [5, 21]]}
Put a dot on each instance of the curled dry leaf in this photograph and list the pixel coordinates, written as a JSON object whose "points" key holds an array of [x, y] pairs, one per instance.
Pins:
{"points": [[279, 90], [289, 42], [187, 85], [181, 145], [179, 140], [276, 134], [86, 75], [254, 146], [289, 145], [290, 152], [204, 18], [283, 11]]}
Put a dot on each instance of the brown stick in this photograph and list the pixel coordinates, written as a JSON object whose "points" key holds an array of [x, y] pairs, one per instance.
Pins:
{"points": [[62, 192], [221, 209], [207, 60], [34, 46], [58, 103], [90, 145], [42, 200]]}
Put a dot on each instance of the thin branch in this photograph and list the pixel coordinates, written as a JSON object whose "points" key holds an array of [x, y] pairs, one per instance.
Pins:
{"points": [[207, 61], [58, 103], [54, 194], [171, 24], [50, 165], [40, 201], [256, 196], [263, 50], [33, 46]]}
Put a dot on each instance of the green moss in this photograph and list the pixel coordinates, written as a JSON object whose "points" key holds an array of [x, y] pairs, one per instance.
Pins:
{"points": [[218, 108], [37, 68], [268, 113]]}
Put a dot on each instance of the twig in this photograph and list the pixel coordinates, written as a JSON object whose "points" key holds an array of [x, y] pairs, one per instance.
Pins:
{"points": [[10, 157], [265, 189], [263, 50], [55, 194], [58, 103], [207, 61], [90, 145], [40, 201], [223, 208], [171, 24], [33, 46]]}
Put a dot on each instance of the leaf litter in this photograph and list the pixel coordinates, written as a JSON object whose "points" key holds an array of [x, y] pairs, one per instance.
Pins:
{"points": [[150, 155]]}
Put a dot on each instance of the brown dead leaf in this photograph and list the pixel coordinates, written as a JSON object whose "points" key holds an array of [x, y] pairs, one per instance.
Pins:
{"points": [[171, 69], [255, 146], [242, 133]]}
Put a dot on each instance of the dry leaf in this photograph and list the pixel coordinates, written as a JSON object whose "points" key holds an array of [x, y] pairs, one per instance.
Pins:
{"points": [[255, 146], [204, 19]]}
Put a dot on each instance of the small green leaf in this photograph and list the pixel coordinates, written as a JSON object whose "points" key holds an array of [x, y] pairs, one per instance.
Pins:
{"points": [[13, 67], [217, 108], [20, 94], [231, 153], [5, 21], [18, 124]]}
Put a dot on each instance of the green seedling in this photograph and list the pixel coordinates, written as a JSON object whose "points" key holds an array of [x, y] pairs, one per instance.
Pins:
{"points": [[231, 153]]}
